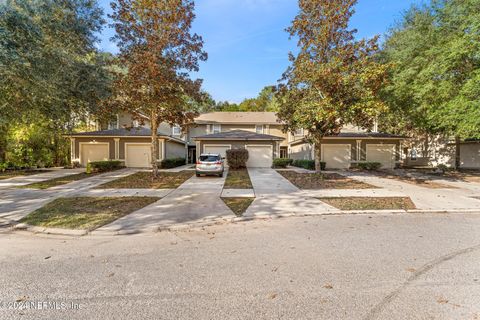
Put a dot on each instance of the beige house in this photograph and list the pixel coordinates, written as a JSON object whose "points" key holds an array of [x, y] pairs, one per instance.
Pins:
{"points": [[261, 133]]}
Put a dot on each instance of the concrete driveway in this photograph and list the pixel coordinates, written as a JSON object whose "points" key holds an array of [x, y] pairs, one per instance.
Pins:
{"points": [[51, 174], [195, 200]]}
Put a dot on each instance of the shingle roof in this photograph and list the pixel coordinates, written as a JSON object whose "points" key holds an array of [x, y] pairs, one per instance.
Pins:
{"points": [[238, 118], [367, 135], [122, 132], [238, 135]]}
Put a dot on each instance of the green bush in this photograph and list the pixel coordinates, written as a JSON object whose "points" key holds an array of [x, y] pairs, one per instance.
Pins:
{"points": [[282, 162], [308, 164], [103, 166], [237, 158], [172, 163], [370, 166]]}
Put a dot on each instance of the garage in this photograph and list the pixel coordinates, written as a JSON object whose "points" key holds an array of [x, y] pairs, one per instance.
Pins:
{"points": [[383, 153], [259, 156], [138, 155], [470, 156], [337, 156], [90, 152]]}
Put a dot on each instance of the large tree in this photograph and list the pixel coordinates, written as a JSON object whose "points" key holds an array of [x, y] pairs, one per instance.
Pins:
{"points": [[158, 51], [334, 80]]}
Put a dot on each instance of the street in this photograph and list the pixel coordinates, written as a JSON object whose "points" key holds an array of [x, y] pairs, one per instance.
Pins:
{"points": [[404, 266]]}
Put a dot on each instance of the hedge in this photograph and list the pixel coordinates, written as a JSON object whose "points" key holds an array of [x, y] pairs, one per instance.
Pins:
{"points": [[237, 158], [172, 163], [308, 164], [103, 166], [282, 162], [370, 166]]}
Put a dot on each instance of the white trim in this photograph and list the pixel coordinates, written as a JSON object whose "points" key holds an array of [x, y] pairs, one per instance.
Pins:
{"points": [[359, 150], [262, 131], [216, 145], [173, 131], [161, 149], [80, 144], [117, 148], [219, 126], [136, 143], [72, 149]]}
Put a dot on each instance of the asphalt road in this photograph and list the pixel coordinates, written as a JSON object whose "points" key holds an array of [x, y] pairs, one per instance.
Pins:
{"points": [[335, 267]]}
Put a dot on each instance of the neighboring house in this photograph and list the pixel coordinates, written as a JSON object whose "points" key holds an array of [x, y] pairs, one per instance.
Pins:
{"points": [[261, 133]]}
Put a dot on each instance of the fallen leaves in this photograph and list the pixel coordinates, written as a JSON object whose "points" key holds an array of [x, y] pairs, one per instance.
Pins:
{"points": [[328, 286]]}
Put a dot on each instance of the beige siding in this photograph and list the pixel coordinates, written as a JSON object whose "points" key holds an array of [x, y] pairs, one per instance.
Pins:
{"points": [[302, 151], [82, 140], [196, 131], [237, 145], [276, 130], [174, 150]]}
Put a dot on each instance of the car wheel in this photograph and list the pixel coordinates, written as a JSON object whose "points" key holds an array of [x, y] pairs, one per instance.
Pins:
{"points": [[198, 174], [221, 175]]}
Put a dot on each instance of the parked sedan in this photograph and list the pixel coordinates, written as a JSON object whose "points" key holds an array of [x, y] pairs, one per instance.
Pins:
{"points": [[210, 164]]}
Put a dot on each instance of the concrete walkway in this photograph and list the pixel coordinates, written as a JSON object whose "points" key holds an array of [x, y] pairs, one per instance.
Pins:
{"points": [[51, 174], [195, 200], [17, 203], [276, 196], [424, 198]]}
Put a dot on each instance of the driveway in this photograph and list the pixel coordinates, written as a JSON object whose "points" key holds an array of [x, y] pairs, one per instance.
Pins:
{"points": [[195, 200], [51, 174], [337, 267], [276, 196]]}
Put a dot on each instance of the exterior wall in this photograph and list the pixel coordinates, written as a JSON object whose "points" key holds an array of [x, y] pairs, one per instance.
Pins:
{"points": [[235, 144], [434, 150], [196, 131], [174, 150], [301, 151], [82, 140], [470, 155], [276, 130]]}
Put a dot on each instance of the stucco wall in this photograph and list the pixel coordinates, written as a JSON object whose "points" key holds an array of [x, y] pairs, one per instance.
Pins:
{"points": [[470, 156], [174, 150]]}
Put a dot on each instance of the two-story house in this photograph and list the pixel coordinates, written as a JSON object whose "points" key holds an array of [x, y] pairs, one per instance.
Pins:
{"points": [[261, 133]]}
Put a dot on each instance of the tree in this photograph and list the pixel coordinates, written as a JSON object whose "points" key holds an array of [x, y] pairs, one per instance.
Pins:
{"points": [[157, 50], [334, 80], [434, 81]]}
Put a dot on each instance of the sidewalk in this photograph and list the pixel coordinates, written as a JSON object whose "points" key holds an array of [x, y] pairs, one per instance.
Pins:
{"points": [[24, 180]]}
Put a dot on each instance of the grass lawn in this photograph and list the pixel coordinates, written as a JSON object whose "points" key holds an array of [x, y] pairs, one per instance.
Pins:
{"points": [[85, 213], [370, 203], [58, 181], [238, 179], [323, 181], [412, 180], [143, 180], [238, 205], [18, 173]]}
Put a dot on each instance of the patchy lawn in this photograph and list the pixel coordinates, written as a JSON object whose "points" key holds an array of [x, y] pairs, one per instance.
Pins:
{"points": [[238, 179], [85, 213], [323, 181], [370, 203], [426, 183], [58, 181], [19, 173], [238, 205], [143, 180]]}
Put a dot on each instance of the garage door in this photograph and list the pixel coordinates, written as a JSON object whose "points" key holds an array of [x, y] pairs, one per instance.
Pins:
{"points": [[220, 149], [93, 152], [470, 156], [260, 156], [138, 155], [383, 153], [337, 156]]}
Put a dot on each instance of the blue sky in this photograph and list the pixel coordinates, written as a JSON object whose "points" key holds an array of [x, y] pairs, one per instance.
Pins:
{"points": [[247, 45]]}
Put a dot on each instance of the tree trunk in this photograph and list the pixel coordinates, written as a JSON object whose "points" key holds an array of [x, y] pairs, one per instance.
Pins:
{"points": [[457, 153], [3, 143], [154, 145], [318, 156]]}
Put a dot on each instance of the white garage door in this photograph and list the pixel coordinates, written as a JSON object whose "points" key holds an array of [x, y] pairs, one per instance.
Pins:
{"points": [[220, 149], [337, 156], [138, 155], [470, 156], [260, 156], [383, 153], [93, 152]]}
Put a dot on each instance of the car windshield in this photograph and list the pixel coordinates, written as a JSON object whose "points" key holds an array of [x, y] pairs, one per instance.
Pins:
{"points": [[209, 158]]}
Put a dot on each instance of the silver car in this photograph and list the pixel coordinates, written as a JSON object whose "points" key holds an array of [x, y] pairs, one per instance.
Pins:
{"points": [[210, 164]]}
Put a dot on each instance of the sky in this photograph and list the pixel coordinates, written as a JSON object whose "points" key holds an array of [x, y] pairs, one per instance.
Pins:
{"points": [[247, 43]]}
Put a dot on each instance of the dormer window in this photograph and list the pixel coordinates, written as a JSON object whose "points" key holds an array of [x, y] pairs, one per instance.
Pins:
{"points": [[259, 129], [135, 124], [216, 128], [176, 131], [113, 124]]}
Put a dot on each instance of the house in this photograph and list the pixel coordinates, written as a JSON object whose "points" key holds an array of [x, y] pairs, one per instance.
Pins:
{"points": [[261, 133]]}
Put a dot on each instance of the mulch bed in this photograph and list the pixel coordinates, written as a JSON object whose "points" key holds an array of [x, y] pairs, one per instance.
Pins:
{"points": [[370, 203], [143, 180], [323, 181]]}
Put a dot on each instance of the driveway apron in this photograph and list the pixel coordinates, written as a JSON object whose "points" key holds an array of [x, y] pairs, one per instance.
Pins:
{"points": [[276, 196], [195, 200]]}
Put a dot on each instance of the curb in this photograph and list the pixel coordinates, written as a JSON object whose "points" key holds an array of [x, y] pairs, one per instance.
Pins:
{"points": [[211, 221]]}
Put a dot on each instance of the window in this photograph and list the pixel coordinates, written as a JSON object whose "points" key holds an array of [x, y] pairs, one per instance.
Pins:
{"points": [[113, 124], [298, 133], [176, 131], [216, 128], [259, 129], [135, 124]]}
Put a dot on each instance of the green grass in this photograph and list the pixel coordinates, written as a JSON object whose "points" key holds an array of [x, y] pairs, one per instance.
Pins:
{"points": [[238, 205], [58, 181], [18, 173], [85, 213], [323, 181], [370, 203], [238, 179], [143, 180]]}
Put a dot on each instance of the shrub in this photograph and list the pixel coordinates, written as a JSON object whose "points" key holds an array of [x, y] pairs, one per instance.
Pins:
{"points": [[3, 166], [172, 163], [308, 164], [103, 166], [282, 162], [237, 158], [370, 166]]}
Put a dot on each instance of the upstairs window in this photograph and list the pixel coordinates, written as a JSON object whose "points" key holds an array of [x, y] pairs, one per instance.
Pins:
{"points": [[176, 131], [259, 129], [135, 124], [298, 133], [113, 124], [216, 128]]}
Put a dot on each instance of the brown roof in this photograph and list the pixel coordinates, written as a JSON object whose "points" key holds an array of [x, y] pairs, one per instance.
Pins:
{"points": [[238, 135], [238, 118]]}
